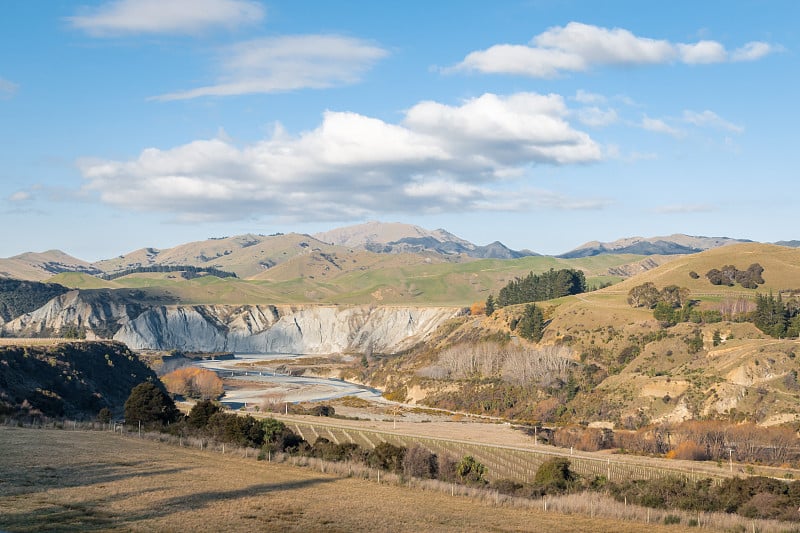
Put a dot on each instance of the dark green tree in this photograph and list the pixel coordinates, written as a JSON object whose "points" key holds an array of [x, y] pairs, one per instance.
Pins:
{"points": [[272, 429], [150, 405], [770, 315], [201, 412], [241, 430], [540, 287], [387, 457], [489, 305], [531, 325]]}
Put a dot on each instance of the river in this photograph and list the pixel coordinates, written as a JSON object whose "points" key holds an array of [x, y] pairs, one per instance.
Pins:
{"points": [[263, 385]]}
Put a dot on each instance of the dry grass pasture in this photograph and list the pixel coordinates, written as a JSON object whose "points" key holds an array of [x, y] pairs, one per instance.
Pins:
{"points": [[60, 480]]}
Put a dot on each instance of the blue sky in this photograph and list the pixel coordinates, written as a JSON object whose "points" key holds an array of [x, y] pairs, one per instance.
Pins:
{"points": [[540, 123]]}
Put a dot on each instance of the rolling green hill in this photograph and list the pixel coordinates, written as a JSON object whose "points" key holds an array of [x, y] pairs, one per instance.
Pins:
{"points": [[356, 277]]}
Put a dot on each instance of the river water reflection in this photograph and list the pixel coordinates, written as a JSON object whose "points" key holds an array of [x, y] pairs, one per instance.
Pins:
{"points": [[261, 384]]}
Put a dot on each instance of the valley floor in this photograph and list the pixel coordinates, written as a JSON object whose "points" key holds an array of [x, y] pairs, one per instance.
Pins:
{"points": [[61, 480]]}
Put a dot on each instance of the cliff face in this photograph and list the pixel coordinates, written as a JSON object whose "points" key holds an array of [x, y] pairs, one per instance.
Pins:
{"points": [[249, 328]]}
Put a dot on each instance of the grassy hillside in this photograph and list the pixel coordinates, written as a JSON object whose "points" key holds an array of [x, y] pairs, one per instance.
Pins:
{"points": [[246, 255], [781, 268], [627, 367], [79, 280], [357, 277]]}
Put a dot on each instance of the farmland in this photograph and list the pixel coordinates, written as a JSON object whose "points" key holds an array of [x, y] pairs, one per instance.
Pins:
{"points": [[91, 481]]}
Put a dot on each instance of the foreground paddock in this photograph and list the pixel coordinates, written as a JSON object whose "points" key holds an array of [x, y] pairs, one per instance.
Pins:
{"points": [[90, 481]]}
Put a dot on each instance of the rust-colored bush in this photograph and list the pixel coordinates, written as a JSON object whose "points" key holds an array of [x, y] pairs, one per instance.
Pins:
{"points": [[689, 450], [193, 382]]}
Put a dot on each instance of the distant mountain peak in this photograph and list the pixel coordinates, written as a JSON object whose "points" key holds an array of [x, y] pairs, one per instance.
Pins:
{"points": [[675, 244], [396, 237]]}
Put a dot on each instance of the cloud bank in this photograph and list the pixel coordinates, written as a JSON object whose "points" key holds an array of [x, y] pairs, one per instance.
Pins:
{"points": [[578, 47], [439, 158]]}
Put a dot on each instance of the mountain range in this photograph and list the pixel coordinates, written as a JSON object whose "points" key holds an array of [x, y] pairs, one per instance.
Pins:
{"points": [[251, 255]]}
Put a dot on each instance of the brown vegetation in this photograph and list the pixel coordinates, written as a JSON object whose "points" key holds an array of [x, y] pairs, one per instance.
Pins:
{"points": [[193, 382], [86, 481]]}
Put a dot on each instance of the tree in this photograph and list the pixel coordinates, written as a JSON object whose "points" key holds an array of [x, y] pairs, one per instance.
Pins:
{"points": [[150, 405], [201, 412], [555, 474], [193, 382], [272, 429], [418, 461], [531, 325], [544, 286], [470, 470], [241, 430], [477, 308], [104, 415], [644, 295], [489, 305], [387, 457], [770, 315]]}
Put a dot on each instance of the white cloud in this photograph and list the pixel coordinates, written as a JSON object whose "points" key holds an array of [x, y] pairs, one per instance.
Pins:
{"points": [[586, 97], [125, 17], [753, 51], [710, 119], [596, 45], [521, 60], [20, 196], [577, 47], [659, 126], [702, 52], [596, 117], [7, 89], [524, 127], [439, 158], [287, 63]]}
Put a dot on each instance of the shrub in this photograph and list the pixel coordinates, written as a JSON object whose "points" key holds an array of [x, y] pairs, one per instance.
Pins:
{"points": [[691, 451], [446, 467], [418, 461], [387, 457], [555, 475], [470, 470], [322, 410], [104, 415], [329, 451], [241, 430]]}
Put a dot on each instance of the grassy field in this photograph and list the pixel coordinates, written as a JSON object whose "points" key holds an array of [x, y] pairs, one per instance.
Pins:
{"points": [[60, 480], [355, 278]]}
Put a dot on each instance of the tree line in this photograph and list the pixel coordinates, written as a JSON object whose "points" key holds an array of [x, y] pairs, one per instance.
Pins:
{"points": [[189, 271], [729, 275], [538, 288], [773, 315]]}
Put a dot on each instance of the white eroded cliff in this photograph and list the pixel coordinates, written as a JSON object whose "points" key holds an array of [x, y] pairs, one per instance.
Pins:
{"points": [[247, 328]]}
